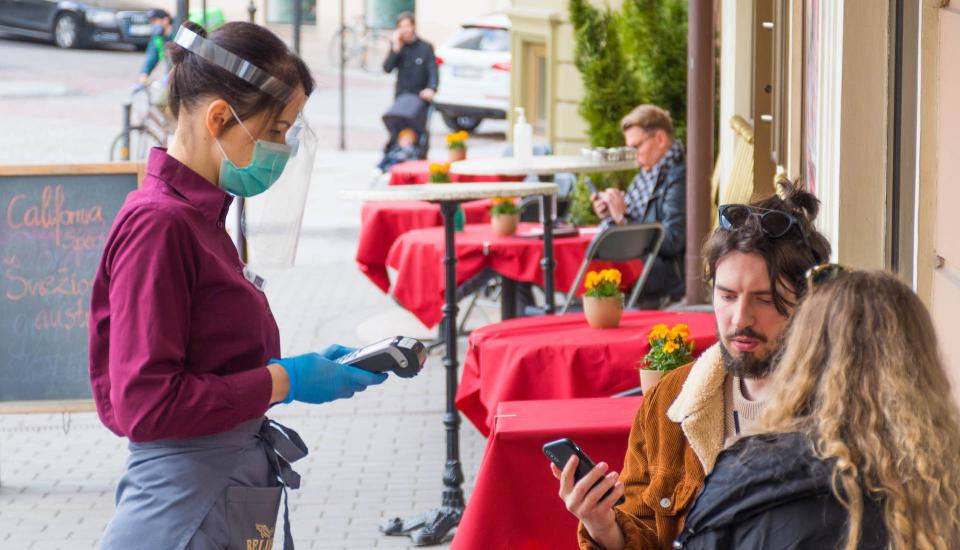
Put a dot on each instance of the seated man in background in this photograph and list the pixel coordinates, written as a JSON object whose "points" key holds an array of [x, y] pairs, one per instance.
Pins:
{"points": [[756, 261], [656, 194]]}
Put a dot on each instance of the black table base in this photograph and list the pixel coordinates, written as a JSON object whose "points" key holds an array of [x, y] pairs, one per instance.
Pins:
{"points": [[433, 526]]}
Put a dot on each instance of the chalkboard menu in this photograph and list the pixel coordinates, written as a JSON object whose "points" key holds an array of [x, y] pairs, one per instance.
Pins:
{"points": [[55, 223]]}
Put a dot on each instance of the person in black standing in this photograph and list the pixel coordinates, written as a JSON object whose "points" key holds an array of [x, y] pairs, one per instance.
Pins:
{"points": [[413, 59]]}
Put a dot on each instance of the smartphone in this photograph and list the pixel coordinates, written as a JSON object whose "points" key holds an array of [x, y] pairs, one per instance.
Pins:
{"points": [[590, 186], [560, 451]]}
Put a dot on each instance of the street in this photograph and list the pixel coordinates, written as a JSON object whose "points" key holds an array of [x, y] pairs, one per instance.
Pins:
{"points": [[375, 456]]}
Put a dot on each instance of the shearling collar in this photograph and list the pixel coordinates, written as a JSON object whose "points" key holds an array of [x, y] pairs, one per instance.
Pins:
{"points": [[699, 406]]}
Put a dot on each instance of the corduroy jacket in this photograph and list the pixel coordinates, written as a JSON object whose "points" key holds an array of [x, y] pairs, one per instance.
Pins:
{"points": [[676, 437]]}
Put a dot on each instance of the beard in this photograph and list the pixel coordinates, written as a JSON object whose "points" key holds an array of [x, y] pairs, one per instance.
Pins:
{"points": [[746, 364]]}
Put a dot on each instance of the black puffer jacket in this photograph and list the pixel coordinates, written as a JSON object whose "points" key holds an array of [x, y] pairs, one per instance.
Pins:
{"points": [[770, 492]]}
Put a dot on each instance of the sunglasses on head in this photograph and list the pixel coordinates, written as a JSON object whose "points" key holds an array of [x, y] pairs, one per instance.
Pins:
{"points": [[817, 276], [773, 223]]}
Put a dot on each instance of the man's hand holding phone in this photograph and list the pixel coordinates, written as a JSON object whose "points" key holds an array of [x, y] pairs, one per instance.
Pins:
{"points": [[589, 492], [396, 40], [585, 499], [600, 206]]}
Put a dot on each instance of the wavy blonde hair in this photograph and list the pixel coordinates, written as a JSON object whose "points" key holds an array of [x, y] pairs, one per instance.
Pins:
{"points": [[861, 375]]}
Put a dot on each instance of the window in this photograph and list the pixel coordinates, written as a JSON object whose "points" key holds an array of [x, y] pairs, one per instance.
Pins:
{"points": [[535, 95], [482, 39], [281, 11]]}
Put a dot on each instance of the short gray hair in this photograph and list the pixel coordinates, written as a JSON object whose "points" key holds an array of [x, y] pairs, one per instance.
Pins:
{"points": [[649, 118]]}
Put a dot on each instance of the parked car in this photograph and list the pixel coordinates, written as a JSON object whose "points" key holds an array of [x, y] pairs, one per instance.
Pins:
{"points": [[475, 73], [77, 23]]}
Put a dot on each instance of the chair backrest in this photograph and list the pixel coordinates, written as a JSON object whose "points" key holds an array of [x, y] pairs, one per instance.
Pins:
{"points": [[530, 208], [740, 186], [619, 243]]}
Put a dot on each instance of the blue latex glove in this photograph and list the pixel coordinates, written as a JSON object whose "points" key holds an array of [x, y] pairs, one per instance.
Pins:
{"points": [[318, 378]]}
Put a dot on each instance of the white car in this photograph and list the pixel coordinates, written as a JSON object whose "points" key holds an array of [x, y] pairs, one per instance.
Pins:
{"points": [[475, 73]]}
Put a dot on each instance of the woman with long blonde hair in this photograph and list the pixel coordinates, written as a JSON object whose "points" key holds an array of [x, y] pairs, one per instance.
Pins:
{"points": [[863, 435]]}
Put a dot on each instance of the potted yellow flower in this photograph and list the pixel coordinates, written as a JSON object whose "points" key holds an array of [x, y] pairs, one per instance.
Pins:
{"points": [[669, 348], [457, 145], [439, 172], [504, 216], [603, 301]]}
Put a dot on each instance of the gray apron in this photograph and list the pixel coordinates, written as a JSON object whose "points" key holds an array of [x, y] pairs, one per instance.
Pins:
{"points": [[213, 492]]}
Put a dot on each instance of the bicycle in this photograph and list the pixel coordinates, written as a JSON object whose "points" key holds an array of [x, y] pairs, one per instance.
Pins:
{"points": [[365, 47], [145, 123]]}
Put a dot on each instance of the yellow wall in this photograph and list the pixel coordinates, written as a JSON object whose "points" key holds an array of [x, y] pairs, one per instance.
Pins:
{"points": [[945, 291], [864, 169], [547, 22]]}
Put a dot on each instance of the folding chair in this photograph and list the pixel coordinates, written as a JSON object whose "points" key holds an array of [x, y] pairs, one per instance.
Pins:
{"points": [[619, 243]]}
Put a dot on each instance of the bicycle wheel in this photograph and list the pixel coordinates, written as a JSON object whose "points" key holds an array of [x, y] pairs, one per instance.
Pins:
{"points": [[374, 51], [141, 140], [350, 45]]}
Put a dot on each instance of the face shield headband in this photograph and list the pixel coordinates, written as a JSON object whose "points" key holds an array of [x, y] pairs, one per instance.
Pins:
{"points": [[232, 63]]}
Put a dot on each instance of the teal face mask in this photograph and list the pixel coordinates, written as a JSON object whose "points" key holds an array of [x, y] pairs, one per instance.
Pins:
{"points": [[269, 160]]}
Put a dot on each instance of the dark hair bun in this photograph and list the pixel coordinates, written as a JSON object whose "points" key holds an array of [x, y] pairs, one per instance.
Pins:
{"points": [[798, 200], [177, 53]]}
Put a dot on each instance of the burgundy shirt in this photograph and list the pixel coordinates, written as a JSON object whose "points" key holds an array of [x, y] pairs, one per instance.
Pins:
{"points": [[178, 337]]}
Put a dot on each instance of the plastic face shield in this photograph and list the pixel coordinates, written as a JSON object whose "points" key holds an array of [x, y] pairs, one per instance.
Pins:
{"points": [[274, 217]]}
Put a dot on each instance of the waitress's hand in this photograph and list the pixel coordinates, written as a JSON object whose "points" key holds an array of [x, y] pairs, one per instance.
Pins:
{"points": [[318, 378]]}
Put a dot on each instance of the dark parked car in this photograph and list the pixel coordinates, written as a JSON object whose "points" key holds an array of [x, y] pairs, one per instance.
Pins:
{"points": [[72, 24]]}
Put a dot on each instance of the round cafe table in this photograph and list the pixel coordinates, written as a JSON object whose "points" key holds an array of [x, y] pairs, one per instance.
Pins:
{"points": [[419, 287], [544, 165], [559, 357], [414, 172], [382, 223], [433, 526]]}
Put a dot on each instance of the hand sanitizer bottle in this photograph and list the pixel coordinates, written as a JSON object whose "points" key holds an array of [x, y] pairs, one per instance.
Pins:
{"points": [[522, 139]]}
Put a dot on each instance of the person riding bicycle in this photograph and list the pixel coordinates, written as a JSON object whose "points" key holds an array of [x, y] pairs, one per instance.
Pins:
{"points": [[163, 30]]}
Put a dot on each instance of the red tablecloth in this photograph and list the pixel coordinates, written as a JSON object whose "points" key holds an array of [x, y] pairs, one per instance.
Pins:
{"points": [[514, 503], [559, 357], [414, 172], [383, 222], [417, 256]]}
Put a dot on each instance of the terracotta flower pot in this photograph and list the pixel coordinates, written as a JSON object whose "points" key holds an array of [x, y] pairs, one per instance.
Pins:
{"points": [[505, 225], [457, 154], [603, 312], [649, 379]]}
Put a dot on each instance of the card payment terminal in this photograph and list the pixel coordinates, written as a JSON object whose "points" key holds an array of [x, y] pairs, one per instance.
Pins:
{"points": [[404, 356]]}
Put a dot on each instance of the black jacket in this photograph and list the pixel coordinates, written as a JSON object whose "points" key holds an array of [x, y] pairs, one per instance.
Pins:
{"points": [[770, 492], [668, 205], [416, 67]]}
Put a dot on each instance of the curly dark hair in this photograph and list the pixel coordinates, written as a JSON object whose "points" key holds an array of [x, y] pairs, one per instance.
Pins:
{"points": [[788, 257]]}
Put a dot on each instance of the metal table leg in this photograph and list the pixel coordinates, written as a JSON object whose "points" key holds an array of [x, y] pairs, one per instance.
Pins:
{"points": [[547, 263], [508, 298], [432, 527]]}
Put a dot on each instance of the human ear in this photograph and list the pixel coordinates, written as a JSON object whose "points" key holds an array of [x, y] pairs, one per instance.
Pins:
{"points": [[217, 116]]}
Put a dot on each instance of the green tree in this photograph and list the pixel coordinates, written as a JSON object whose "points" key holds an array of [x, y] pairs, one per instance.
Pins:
{"points": [[626, 58], [654, 37], [609, 90]]}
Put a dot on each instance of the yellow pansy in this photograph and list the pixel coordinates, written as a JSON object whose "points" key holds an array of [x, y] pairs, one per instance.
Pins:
{"points": [[592, 280], [682, 330], [670, 347], [659, 331]]}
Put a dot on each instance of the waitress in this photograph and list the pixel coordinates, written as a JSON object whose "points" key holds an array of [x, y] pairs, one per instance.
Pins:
{"points": [[183, 346]]}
